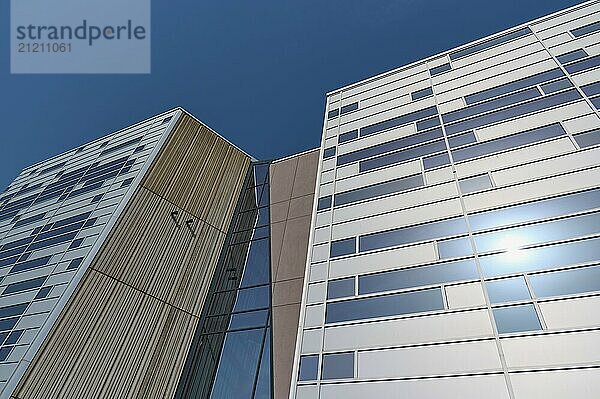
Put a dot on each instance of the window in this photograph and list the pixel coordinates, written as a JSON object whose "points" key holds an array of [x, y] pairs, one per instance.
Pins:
{"points": [[74, 264], [76, 243], [507, 290], [43, 293], [402, 156], [340, 288], [436, 160], [583, 65], [440, 69], [309, 366], [428, 123], [349, 108], [572, 56], [588, 139], [454, 248], [462, 139], [351, 135], [31, 219], [376, 190], [591, 89], [568, 282], [13, 310], [257, 318], [489, 43], [398, 121], [333, 113], [516, 319], [329, 152], [343, 247], [338, 365], [127, 182], [475, 183], [121, 146], [30, 264], [13, 337], [24, 285], [417, 95], [584, 30], [387, 305], [557, 85], [166, 120], [324, 203]]}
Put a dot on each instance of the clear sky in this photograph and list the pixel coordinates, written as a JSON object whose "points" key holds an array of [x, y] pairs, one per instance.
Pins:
{"points": [[256, 71]]}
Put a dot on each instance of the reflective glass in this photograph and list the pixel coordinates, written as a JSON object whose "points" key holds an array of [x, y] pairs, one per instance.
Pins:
{"points": [[343, 247], [398, 121], [462, 139], [572, 56], [401, 156], [349, 108], [591, 89], [516, 319], [31, 219], [13, 310], [30, 264], [428, 123], [250, 298], [8, 324], [4, 352], [556, 85], [440, 69], [543, 209], [426, 92], [436, 160], [263, 385], [351, 135], [388, 305], [24, 285], [333, 113], [454, 248], [475, 183], [338, 365], [309, 366], [568, 282], [507, 290], [508, 142], [583, 65], [596, 102], [260, 173], [244, 320], [514, 111], [340, 288], [13, 337], [529, 260], [257, 269], [584, 30], [328, 152], [588, 139], [324, 203], [489, 43], [376, 190], [406, 235], [397, 144], [417, 277], [518, 237]]}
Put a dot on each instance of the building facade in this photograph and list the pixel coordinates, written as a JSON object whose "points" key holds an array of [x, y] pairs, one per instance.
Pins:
{"points": [[456, 239]]}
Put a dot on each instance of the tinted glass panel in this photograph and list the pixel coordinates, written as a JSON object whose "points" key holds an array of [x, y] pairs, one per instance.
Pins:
{"points": [[436, 160], [258, 318], [388, 305], [328, 152], [584, 30], [516, 319], [476, 183], [556, 85], [588, 139], [257, 264], [489, 43], [333, 113], [24, 285], [31, 219], [412, 234], [566, 282], [349, 108], [309, 366], [251, 298], [263, 385], [338, 365], [507, 290], [351, 135], [517, 110], [343, 247], [340, 288], [30, 264], [417, 277], [415, 95], [591, 89], [454, 248], [462, 139], [572, 56], [13, 310], [13, 337], [439, 69], [514, 86], [8, 324], [428, 123], [376, 190], [398, 121], [583, 65], [596, 102], [508, 142], [528, 260], [324, 203], [402, 156]]}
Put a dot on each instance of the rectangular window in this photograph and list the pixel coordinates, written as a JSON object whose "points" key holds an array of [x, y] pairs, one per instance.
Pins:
{"points": [[340, 288], [30, 264], [436, 160], [440, 69], [43, 293], [489, 43], [568, 282], [402, 156], [584, 30], [338, 365], [383, 306], [428, 123], [417, 95], [592, 89], [418, 276], [31, 219], [333, 113], [454, 248], [349, 108], [407, 235], [555, 86], [52, 168], [329, 152], [588, 139], [324, 203], [514, 319], [24, 285], [462, 139], [8, 324], [255, 319], [583, 65], [507, 290], [13, 310], [475, 183], [572, 56], [398, 121], [514, 111], [377, 190], [74, 264], [343, 247], [351, 135], [309, 366]]}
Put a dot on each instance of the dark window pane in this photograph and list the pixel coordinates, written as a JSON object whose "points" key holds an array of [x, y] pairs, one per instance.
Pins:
{"points": [[508, 142], [475, 183], [418, 276], [74, 264], [572, 56], [4, 352], [244, 320], [591, 89], [343, 247], [13, 337], [398, 121], [13, 310], [516, 319], [529, 260], [333, 113], [309, 366], [507, 290], [324, 203], [454, 248], [489, 43], [402, 156], [584, 30], [428, 123], [440, 69], [436, 160], [30, 264], [43, 293], [340, 288], [588, 139], [514, 111], [263, 385], [388, 305], [556, 85], [596, 102], [376, 190], [462, 139], [251, 298], [349, 108], [24, 285], [31, 219], [329, 152], [8, 324], [338, 365], [260, 173], [583, 65], [406, 235], [257, 266], [426, 92], [566, 282], [351, 135]]}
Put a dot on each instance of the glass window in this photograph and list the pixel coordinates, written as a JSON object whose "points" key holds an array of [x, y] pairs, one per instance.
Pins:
{"points": [[489, 43], [338, 365], [584, 30], [31, 219], [376, 190], [508, 142], [30, 264], [8, 324], [406, 235], [13, 310], [398, 121], [591, 89], [566, 282], [24, 285], [397, 144], [402, 156], [514, 111], [309, 366], [388, 305], [462, 139], [436, 160], [121, 146], [454, 248], [418, 276], [529, 260], [263, 385], [340, 288], [329, 152], [349, 108], [343, 247], [333, 113], [249, 298], [258, 318], [74, 264], [428, 123], [507, 290], [257, 268], [475, 183], [351, 135], [440, 69], [43, 293], [513, 319], [324, 203], [556, 86], [588, 139], [572, 56], [583, 65], [596, 102], [426, 92], [13, 337]]}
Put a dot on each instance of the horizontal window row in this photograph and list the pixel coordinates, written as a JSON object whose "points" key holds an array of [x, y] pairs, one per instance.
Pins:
{"points": [[440, 69], [419, 94], [13, 310], [334, 366], [475, 183], [341, 111], [489, 43], [347, 136], [428, 123], [557, 85], [572, 56], [592, 89], [585, 30], [118, 147], [583, 65], [398, 121], [24, 285], [32, 219], [376, 190], [402, 156], [329, 152]]}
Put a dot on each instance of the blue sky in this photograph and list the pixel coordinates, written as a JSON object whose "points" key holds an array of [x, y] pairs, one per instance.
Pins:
{"points": [[255, 71]]}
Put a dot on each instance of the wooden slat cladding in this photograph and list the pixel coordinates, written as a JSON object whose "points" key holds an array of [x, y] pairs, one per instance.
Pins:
{"points": [[126, 330]]}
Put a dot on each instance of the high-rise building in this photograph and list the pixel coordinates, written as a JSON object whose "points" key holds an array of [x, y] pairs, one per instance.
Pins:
{"points": [[456, 241], [444, 241]]}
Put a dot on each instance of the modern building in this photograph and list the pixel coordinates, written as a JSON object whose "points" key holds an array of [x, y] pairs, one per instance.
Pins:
{"points": [[444, 241], [456, 241]]}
